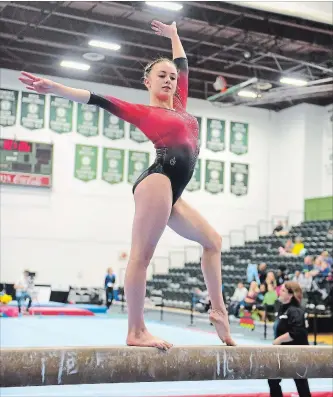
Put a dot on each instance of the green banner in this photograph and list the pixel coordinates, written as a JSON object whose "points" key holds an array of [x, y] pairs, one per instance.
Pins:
{"points": [[214, 181], [61, 115], [199, 119], [113, 165], [32, 111], [137, 135], [195, 182], [8, 107], [239, 138], [215, 135], [113, 126], [137, 163], [239, 179], [87, 120], [86, 162]]}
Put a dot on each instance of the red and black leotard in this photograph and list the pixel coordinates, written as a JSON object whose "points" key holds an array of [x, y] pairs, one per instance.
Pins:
{"points": [[173, 132]]}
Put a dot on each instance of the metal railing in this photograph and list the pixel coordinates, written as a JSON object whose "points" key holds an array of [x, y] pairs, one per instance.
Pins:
{"points": [[251, 232], [192, 253], [237, 237]]}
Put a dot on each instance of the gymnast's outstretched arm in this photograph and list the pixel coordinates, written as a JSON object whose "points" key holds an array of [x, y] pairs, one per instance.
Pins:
{"points": [[127, 111], [46, 86]]}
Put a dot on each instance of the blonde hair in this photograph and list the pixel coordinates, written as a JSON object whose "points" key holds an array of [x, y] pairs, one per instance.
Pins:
{"points": [[151, 64], [295, 289], [254, 286]]}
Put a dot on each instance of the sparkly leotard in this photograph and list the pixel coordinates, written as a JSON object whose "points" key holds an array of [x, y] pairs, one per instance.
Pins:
{"points": [[174, 133]]}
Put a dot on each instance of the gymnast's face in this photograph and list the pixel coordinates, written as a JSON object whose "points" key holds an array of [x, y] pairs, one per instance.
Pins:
{"points": [[162, 80]]}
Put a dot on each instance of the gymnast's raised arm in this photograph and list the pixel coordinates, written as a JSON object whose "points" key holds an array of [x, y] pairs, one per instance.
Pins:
{"points": [[178, 55]]}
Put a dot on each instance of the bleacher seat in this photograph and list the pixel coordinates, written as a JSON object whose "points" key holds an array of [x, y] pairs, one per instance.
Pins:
{"points": [[178, 284]]}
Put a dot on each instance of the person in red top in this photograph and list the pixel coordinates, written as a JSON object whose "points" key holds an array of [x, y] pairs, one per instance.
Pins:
{"points": [[157, 192]]}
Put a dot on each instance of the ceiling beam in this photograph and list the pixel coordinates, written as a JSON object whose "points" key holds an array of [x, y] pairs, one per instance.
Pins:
{"points": [[218, 31], [134, 26], [139, 27], [43, 17], [97, 77], [312, 65], [201, 59], [259, 16], [294, 68], [114, 55], [102, 64]]}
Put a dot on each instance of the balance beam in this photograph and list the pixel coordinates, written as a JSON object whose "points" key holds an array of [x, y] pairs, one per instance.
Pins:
{"points": [[90, 365]]}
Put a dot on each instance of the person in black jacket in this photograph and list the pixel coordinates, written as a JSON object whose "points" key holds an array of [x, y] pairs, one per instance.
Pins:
{"points": [[290, 328]]}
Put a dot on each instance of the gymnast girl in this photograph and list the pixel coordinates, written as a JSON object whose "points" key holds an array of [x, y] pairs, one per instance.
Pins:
{"points": [[157, 192]]}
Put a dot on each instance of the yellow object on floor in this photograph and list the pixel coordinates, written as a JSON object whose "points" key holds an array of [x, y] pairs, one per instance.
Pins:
{"points": [[5, 299], [327, 339]]}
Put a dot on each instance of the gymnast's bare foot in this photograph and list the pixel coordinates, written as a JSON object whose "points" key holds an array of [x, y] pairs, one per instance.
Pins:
{"points": [[221, 322], [144, 338]]}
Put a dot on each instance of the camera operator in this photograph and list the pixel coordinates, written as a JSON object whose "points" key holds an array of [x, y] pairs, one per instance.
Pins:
{"points": [[24, 288]]}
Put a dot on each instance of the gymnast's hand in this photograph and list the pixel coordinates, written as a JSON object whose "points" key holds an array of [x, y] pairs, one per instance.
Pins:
{"points": [[38, 84], [164, 30]]}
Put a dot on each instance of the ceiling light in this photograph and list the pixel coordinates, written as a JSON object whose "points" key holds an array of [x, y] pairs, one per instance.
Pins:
{"points": [[93, 56], [247, 94], [104, 44], [263, 85], [291, 81], [75, 65], [167, 5]]}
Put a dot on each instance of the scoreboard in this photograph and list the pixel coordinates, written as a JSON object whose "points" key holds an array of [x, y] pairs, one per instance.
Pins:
{"points": [[25, 163]]}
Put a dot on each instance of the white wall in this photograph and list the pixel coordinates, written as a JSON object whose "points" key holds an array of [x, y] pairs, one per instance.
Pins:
{"points": [[299, 165], [314, 132], [327, 153], [286, 162], [69, 234]]}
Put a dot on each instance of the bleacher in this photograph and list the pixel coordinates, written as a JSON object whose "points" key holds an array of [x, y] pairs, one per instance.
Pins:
{"points": [[176, 287]]}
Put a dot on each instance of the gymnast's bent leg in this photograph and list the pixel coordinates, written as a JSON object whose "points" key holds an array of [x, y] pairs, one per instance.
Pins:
{"points": [[187, 222], [153, 203]]}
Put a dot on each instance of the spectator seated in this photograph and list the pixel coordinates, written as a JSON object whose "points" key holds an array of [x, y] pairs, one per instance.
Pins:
{"points": [[239, 295], [267, 306], [251, 261]]}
